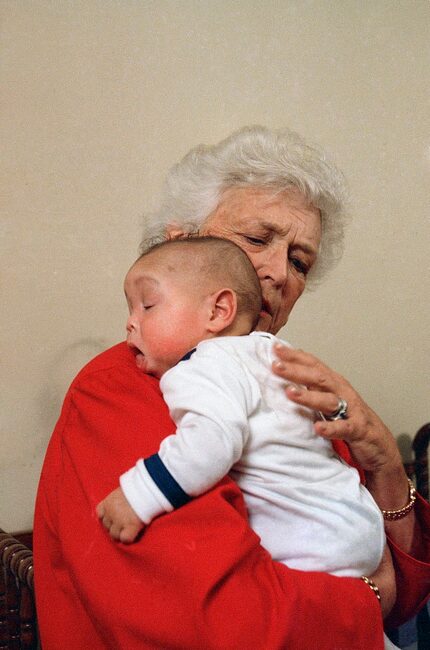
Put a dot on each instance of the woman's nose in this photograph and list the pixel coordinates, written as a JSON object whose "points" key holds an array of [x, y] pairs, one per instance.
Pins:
{"points": [[275, 268]]}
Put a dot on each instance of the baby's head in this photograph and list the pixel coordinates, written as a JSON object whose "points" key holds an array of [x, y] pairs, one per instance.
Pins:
{"points": [[183, 291]]}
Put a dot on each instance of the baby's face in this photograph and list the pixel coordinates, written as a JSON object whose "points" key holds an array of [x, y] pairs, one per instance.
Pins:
{"points": [[167, 314]]}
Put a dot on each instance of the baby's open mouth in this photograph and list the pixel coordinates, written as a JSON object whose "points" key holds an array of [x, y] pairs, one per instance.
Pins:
{"points": [[139, 356]]}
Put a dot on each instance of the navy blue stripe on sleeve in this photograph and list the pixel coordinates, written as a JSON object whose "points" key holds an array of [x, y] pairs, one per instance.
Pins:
{"points": [[188, 355], [165, 481]]}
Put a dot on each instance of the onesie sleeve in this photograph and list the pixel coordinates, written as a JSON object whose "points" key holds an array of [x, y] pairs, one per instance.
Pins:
{"points": [[210, 398]]}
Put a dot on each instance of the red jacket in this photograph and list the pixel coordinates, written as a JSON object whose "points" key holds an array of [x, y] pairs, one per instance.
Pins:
{"points": [[198, 578]]}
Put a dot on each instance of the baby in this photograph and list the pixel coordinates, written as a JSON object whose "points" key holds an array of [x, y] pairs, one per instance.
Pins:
{"points": [[193, 304]]}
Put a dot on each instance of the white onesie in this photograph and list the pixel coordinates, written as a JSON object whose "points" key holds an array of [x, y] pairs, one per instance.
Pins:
{"points": [[232, 415]]}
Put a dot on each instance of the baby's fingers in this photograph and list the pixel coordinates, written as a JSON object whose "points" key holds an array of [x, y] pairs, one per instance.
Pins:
{"points": [[107, 522], [115, 531], [129, 533]]}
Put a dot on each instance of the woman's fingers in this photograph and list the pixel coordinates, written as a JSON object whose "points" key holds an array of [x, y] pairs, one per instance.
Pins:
{"points": [[316, 386], [305, 369], [320, 388], [285, 353], [326, 403]]}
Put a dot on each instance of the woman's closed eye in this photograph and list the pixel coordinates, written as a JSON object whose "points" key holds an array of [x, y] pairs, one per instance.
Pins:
{"points": [[257, 241], [299, 265]]}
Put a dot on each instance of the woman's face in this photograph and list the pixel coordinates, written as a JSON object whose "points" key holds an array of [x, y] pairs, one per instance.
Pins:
{"points": [[281, 235]]}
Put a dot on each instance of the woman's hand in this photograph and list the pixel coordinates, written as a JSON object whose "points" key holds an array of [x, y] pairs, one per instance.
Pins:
{"points": [[320, 388], [370, 442]]}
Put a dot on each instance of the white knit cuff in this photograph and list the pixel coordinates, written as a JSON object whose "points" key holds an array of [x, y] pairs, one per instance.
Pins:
{"points": [[143, 495]]}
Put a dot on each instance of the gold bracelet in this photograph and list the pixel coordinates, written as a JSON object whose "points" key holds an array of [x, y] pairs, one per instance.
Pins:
{"points": [[372, 585], [393, 515]]}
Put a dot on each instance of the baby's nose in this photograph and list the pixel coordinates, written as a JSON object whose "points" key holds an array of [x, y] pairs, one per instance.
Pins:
{"points": [[130, 325]]}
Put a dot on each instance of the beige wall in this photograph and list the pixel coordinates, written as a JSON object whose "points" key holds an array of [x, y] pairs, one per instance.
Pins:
{"points": [[102, 96]]}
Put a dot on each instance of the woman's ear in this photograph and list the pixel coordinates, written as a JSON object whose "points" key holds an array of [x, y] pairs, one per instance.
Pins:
{"points": [[174, 231], [223, 310]]}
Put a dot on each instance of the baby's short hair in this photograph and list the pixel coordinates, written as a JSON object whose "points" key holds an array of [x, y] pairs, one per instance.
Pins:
{"points": [[220, 260]]}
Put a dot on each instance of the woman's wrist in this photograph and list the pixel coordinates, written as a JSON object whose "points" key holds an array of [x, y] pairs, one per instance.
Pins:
{"points": [[400, 513], [391, 490], [369, 582], [383, 583], [389, 485]]}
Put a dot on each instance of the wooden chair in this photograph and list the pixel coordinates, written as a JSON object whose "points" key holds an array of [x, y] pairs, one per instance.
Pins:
{"points": [[418, 470], [420, 446], [18, 626]]}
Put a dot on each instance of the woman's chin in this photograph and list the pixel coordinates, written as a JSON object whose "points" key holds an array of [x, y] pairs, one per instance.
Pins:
{"points": [[264, 322]]}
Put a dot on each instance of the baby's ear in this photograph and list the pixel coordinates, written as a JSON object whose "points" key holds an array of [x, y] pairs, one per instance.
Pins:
{"points": [[223, 310]]}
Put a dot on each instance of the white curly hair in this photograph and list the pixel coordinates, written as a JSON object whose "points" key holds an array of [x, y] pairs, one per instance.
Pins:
{"points": [[254, 156]]}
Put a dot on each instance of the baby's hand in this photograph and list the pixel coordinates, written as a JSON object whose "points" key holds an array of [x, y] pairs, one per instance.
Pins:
{"points": [[119, 518]]}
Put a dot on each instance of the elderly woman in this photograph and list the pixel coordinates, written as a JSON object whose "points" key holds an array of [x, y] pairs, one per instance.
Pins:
{"points": [[199, 578]]}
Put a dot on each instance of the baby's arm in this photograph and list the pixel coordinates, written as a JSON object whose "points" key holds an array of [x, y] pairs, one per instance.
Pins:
{"points": [[210, 398]]}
